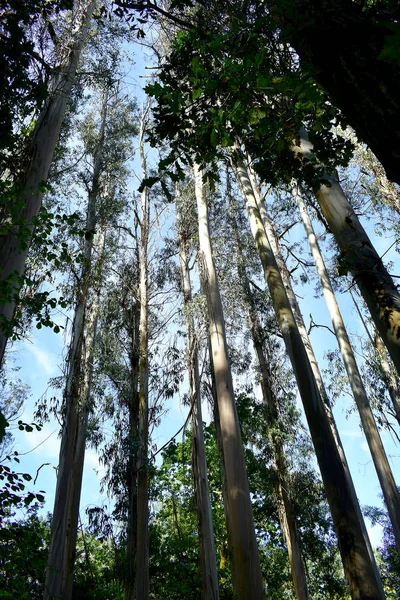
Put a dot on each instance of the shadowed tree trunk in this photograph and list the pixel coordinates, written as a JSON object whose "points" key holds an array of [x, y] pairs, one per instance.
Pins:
{"points": [[384, 472], [341, 43], [13, 250], [60, 570], [358, 560]]}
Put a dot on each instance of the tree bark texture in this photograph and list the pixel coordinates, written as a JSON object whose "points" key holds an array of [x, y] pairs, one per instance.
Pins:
{"points": [[384, 472], [248, 576], [360, 258], [199, 464], [341, 44], [286, 512], [13, 251], [358, 560]]}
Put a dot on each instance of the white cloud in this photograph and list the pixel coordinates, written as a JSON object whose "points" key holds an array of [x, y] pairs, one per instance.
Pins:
{"points": [[92, 460], [354, 433], [375, 535], [364, 446], [46, 360]]}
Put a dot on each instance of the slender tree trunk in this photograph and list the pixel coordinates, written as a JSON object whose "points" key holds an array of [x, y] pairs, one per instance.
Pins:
{"points": [[248, 576], [225, 554], [389, 375], [13, 251], [133, 409], [199, 464], [286, 511], [60, 570], [375, 445], [59, 575], [359, 257], [358, 560], [142, 543]]}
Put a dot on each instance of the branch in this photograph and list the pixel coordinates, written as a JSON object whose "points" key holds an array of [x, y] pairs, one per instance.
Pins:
{"points": [[152, 7], [313, 324]]}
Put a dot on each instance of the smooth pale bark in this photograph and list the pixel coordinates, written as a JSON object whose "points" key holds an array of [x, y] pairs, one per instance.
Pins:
{"points": [[60, 569], [384, 472], [358, 560], [199, 464], [248, 577], [44, 138], [389, 375], [225, 553], [142, 540], [285, 507], [359, 257]]}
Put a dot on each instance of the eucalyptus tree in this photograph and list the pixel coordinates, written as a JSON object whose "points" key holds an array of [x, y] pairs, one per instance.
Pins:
{"points": [[378, 454], [246, 563], [202, 87], [358, 561], [106, 151], [199, 463], [360, 75], [23, 198], [283, 492]]}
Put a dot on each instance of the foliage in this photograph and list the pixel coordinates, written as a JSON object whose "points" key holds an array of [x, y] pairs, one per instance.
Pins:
{"points": [[23, 553]]}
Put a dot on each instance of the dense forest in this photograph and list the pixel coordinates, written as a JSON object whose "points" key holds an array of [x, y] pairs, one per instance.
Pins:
{"points": [[187, 189]]}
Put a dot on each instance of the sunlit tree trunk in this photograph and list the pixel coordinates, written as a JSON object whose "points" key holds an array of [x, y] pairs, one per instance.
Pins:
{"points": [[142, 540], [245, 552], [358, 560], [286, 513], [13, 250], [359, 257], [199, 463], [375, 445]]}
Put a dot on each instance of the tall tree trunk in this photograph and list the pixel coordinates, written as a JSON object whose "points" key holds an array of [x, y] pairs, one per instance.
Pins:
{"points": [[389, 374], [142, 543], [59, 575], [358, 560], [199, 464], [60, 570], [286, 513], [133, 410], [13, 250], [359, 257], [248, 576], [375, 445]]}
